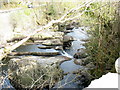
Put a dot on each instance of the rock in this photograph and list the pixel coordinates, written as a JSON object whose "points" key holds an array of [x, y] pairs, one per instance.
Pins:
{"points": [[85, 78], [117, 65], [53, 42], [83, 61], [45, 47], [50, 35], [78, 61], [67, 31], [80, 54], [25, 70], [49, 47], [67, 45], [67, 38], [69, 27], [43, 35], [58, 48], [48, 53], [32, 61]]}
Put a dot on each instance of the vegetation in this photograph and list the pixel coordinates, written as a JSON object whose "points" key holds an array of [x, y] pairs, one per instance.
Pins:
{"points": [[104, 45], [36, 78]]}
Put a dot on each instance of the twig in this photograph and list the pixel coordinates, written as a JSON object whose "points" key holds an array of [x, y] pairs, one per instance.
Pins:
{"points": [[37, 81]]}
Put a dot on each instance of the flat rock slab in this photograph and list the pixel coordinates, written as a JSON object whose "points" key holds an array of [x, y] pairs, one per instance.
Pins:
{"points": [[53, 42], [43, 60], [41, 35]]}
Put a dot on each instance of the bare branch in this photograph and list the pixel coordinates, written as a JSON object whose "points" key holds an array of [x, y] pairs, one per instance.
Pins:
{"points": [[4, 52], [37, 81]]}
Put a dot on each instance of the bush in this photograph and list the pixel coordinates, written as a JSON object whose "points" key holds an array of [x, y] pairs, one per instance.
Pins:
{"points": [[103, 47]]}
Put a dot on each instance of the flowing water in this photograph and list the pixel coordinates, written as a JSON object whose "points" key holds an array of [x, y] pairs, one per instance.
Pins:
{"points": [[67, 66], [69, 80]]}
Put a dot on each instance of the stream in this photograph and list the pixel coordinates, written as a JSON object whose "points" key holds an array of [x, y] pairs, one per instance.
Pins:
{"points": [[69, 80], [69, 66]]}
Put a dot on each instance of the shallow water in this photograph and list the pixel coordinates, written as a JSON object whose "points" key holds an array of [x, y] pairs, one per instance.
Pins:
{"points": [[69, 66], [33, 48]]}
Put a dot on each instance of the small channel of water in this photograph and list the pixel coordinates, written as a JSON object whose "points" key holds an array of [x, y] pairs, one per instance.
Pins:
{"points": [[69, 80]]}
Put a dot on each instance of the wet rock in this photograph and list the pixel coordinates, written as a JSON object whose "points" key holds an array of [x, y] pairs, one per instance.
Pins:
{"points": [[67, 41], [85, 78], [58, 47], [80, 54], [67, 31], [67, 45], [69, 27], [83, 61], [68, 38], [78, 61]]}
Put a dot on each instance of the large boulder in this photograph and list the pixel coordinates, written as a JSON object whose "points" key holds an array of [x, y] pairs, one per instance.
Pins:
{"points": [[35, 71]]}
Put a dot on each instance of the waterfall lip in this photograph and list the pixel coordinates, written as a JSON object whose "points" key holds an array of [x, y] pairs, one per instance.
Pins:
{"points": [[66, 54]]}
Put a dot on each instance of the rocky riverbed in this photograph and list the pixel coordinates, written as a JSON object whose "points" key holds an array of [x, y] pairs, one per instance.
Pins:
{"points": [[43, 56]]}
